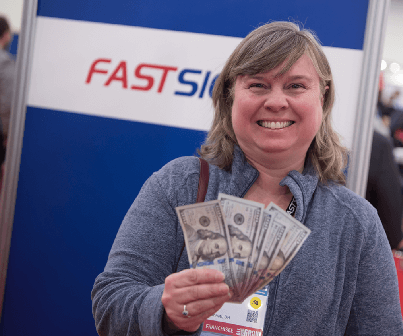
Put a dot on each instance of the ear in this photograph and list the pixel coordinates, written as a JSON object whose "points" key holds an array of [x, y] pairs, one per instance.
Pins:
{"points": [[323, 95]]}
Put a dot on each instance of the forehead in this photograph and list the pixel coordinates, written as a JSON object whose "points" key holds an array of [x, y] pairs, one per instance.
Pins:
{"points": [[303, 68]]}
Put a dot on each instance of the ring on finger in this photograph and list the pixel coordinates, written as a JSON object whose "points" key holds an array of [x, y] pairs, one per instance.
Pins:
{"points": [[185, 312]]}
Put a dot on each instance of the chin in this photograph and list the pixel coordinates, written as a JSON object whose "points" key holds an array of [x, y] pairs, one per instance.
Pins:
{"points": [[275, 149]]}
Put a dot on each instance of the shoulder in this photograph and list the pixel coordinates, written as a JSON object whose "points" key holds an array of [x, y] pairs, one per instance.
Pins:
{"points": [[188, 167], [175, 184], [179, 178], [179, 168], [6, 59], [347, 199], [176, 181], [344, 203], [352, 220], [381, 147], [7, 66], [381, 140], [6, 55]]}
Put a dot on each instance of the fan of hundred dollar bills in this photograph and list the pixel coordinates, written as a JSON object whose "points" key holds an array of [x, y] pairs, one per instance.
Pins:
{"points": [[248, 243]]}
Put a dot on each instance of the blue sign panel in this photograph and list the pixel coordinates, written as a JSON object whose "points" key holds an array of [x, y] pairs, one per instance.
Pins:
{"points": [[338, 23]]}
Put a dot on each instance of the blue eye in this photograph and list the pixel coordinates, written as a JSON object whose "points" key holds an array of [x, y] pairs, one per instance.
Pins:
{"points": [[296, 86], [257, 85]]}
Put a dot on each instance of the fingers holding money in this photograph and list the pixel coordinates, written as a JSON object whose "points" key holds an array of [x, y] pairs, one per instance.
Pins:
{"points": [[193, 285], [191, 296], [192, 277], [240, 238]]}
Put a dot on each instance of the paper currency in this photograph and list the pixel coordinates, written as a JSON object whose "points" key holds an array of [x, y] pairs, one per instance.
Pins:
{"points": [[206, 237], [270, 249], [265, 230], [249, 244], [243, 219], [295, 235]]}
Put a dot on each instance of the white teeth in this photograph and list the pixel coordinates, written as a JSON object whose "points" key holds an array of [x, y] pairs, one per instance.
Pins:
{"points": [[275, 125]]}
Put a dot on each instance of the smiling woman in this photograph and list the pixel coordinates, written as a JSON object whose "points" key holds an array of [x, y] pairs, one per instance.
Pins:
{"points": [[271, 141], [277, 56], [293, 99]]}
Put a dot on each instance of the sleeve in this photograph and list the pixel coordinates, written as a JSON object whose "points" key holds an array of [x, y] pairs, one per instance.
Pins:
{"points": [[7, 74], [376, 308], [127, 295]]}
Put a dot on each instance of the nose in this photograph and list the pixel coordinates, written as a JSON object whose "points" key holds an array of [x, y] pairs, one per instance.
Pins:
{"points": [[276, 101]]}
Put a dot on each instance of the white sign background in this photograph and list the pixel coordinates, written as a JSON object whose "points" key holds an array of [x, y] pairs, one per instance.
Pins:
{"points": [[58, 77]]}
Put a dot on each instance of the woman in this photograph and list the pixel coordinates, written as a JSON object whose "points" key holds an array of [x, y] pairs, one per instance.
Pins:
{"points": [[271, 139]]}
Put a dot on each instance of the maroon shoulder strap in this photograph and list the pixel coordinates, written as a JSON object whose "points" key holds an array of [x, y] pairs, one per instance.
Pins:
{"points": [[203, 181], [201, 193]]}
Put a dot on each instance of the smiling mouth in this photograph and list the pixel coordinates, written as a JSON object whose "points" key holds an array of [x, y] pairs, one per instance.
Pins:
{"points": [[275, 125]]}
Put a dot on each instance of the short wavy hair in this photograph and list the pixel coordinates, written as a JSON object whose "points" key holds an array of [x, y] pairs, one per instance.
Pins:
{"points": [[4, 26], [262, 50]]}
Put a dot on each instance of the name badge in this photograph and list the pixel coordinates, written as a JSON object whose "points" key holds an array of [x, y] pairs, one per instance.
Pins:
{"points": [[245, 319]]}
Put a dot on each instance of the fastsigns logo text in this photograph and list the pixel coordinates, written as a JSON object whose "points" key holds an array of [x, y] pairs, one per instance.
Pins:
{"points": [[187, 86]]}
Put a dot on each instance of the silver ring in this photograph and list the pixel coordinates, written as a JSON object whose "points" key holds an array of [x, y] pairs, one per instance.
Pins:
{"points": [[185, 312]]}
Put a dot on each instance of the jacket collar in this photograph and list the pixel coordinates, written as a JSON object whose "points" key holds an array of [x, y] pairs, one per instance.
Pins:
{"points": [[243, 174], [302, 186]]}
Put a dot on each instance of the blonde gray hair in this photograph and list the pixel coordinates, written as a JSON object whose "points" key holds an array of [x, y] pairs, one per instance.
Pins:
{"points": [[262, 50]]}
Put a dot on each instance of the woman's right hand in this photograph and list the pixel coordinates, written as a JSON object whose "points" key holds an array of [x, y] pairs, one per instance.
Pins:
{"points": [[202, 291]]}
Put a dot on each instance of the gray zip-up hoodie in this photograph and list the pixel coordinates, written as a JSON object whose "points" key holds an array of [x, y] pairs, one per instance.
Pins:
{"points": [[342, 281]]}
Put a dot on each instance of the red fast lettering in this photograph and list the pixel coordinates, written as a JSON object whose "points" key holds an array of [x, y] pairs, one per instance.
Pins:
{"points": [[120, 74]]}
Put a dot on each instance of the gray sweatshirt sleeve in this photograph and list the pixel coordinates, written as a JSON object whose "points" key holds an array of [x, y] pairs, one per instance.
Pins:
{"points": [[7, 74], [376, 308], [127, 295]]}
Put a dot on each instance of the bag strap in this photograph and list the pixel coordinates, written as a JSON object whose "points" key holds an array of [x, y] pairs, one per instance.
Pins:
{"points": [[201, 193], [203, 181]]}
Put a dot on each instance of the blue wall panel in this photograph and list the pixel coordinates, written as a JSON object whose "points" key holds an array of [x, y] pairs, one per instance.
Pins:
{"points": [[337, 25]]}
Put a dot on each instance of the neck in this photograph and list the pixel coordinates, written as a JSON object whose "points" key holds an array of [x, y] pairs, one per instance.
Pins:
{"points": [[273, 170], [267, 187]]}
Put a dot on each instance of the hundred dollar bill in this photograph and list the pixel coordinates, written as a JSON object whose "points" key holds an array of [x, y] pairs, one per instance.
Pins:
{"points": [[294, 238], [271, 244], [251, 275], [206, 238], [243, 219], [265, 229]]}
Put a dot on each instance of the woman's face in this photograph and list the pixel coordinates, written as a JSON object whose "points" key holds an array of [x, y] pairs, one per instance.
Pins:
{"points": [[213, 248], [278, 114], [240, 248]]}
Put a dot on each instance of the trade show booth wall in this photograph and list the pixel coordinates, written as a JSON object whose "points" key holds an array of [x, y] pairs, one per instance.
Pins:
{"points": [[110, 91]]}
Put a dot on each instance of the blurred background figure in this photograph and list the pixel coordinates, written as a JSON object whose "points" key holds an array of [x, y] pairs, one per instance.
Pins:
{"points": [[389, 109], [392, 70], [384, 188], [385, 183], [396, 127], [7, 72]]}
